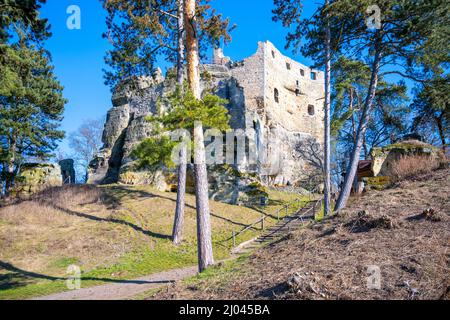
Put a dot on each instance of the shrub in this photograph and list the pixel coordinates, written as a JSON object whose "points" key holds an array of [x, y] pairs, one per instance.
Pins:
{"points": [[413, 165]]}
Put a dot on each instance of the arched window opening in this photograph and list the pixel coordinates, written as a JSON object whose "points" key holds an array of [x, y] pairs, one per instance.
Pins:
{"points": [[311, 110]]}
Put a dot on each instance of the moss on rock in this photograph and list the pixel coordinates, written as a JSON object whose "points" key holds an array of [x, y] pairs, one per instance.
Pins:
{"points": [[377, 183], [35, 177]]}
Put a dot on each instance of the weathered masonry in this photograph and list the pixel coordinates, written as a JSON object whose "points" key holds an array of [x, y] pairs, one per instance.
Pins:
{"points": [[278, 98]]}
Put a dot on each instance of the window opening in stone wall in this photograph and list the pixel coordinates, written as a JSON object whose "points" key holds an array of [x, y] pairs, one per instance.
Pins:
{"points": [[311, 110], [288, 66], [235, 156], [302, 72], [276, 95], [313, 76]]}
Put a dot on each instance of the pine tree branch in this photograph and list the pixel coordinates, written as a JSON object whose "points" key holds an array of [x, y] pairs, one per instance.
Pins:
{"points": [[405, 76]]}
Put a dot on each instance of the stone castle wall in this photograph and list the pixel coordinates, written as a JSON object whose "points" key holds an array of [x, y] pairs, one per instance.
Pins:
{"points": [[296, 93]]}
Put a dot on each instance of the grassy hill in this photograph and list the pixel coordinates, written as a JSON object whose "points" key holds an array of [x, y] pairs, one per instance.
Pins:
{"points": [[112, 233], [402, 232]]}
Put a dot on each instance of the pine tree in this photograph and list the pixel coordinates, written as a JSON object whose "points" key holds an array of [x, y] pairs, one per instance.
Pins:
{"points": [[204, 237], [432, 109], [411, 39], [20, 19], [177, 232], [31, 101], [350, 83], [405, 38], [143, 31], [31, 108]]}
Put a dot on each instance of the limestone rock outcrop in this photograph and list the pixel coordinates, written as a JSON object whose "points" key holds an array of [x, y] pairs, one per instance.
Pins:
{"points": [[384, 159], [35, 177]]}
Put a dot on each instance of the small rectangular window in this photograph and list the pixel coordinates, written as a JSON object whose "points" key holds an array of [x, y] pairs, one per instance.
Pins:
{"points": [[288, 66], [302, 72], [273, 54], [276, 95], [313, 76]]}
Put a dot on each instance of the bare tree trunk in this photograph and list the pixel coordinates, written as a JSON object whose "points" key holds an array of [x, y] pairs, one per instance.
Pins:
{"points": [[180, 55], [177, 234], [350, 107], [440, 126], [205, 252], [366, 150], [327, 158], [9, 179], [10, 170], [354, 158]]}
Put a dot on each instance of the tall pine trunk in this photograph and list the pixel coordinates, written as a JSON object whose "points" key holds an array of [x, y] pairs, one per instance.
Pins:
{"points": [[440, 126], [361, 132], [205, 252], [350, 108], [180, 49], [177, 234], [10, 170], [327, 157]]}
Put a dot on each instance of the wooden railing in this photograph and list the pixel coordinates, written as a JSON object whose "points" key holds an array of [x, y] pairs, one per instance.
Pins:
{"points": [[264, 216]]}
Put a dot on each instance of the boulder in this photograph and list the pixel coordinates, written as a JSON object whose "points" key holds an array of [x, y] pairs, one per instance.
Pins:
{"points": [[382, 158], [35, 177]]}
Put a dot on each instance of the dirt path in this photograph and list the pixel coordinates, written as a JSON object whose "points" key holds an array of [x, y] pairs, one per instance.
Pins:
{"points": [[126, 289]]}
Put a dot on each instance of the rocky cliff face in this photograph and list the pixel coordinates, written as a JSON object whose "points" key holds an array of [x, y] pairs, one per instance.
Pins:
{"points": [[283, 140]]}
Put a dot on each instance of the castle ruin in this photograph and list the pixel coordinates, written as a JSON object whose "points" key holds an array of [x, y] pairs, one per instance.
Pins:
{"points": [[278, 98]]}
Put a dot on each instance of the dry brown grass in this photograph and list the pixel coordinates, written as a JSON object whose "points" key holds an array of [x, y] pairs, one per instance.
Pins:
{"points": [[413, 165], [36, 233], [330, 260], [110, 232]]}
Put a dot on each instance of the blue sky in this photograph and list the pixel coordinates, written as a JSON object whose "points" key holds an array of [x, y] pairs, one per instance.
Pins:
{"points": [[78, 54]]}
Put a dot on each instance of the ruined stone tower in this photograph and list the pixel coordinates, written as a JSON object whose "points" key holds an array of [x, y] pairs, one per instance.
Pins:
{"points": [[268, 93]]}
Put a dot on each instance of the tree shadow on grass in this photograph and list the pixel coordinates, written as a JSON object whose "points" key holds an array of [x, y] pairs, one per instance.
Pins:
{"points": [[17, 277], [115, 195], [111, 220], [115, 201]]}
